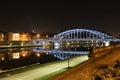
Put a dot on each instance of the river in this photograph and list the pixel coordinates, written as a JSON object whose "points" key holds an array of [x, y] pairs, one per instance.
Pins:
{"points": [[19, 57]]}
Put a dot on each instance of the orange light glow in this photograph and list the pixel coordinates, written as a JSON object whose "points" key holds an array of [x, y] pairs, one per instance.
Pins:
{"points": [[38, 35], [46, 36], [38, 55], [2, 58], [24, 55], [2, 35]]}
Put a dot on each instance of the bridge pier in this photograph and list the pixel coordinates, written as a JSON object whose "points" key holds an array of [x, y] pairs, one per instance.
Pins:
{"points": [[91, 55], [101, 51]]}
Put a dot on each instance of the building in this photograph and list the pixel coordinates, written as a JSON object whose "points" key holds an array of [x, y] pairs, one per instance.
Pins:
{"points": [[23, 36]]}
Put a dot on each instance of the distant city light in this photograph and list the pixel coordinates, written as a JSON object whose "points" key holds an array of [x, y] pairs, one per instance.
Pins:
{"points": [[46, 36], [2, 58], [38, 54], [23, 54]]}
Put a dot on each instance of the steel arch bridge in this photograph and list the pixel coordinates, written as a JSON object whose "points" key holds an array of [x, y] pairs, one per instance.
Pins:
{"points": [[77, 35], [82, 34]]}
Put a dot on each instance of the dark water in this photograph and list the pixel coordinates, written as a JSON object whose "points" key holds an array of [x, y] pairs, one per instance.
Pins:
{"points": [[19, 57]]}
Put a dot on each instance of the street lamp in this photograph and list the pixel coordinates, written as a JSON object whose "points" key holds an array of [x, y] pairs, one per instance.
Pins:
{"points": [[68, 57]]}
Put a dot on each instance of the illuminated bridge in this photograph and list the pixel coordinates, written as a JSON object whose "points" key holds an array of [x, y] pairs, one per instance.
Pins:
{"points": [[77, 35]]}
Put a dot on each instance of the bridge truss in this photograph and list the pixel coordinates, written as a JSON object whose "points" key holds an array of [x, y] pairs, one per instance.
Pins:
{"points": [[78, 35]]}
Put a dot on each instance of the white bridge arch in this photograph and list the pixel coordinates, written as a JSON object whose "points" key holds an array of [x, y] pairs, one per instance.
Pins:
{"points": [[77, 35], [82, 34]]}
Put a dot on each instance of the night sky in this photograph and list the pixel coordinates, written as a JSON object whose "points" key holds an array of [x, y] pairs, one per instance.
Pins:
{"points": [[59, 16]]}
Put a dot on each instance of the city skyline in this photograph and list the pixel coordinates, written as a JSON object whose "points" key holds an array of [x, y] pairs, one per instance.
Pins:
{"points": [[58, 16]]}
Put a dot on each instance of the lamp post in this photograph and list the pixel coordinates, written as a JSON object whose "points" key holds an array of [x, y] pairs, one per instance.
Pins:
{"points": [[68, 56]]}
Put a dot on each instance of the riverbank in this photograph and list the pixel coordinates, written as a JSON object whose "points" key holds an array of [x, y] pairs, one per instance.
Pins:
{"points": [[89, 70], [39, 72], [9, 47], [16, 44]]}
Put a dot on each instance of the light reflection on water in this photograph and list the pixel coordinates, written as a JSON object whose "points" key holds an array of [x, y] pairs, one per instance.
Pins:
{"points": [[18, 57], [61, 54]]}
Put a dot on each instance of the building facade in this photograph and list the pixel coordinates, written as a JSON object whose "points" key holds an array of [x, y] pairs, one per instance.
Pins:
{"points": [[18, 36]]}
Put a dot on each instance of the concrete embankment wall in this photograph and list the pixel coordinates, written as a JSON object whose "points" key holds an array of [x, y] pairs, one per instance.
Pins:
{"points": [[99, 52]]}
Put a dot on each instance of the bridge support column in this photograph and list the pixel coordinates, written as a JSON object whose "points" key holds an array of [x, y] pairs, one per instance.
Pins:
{"points": [[91, 54]]}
